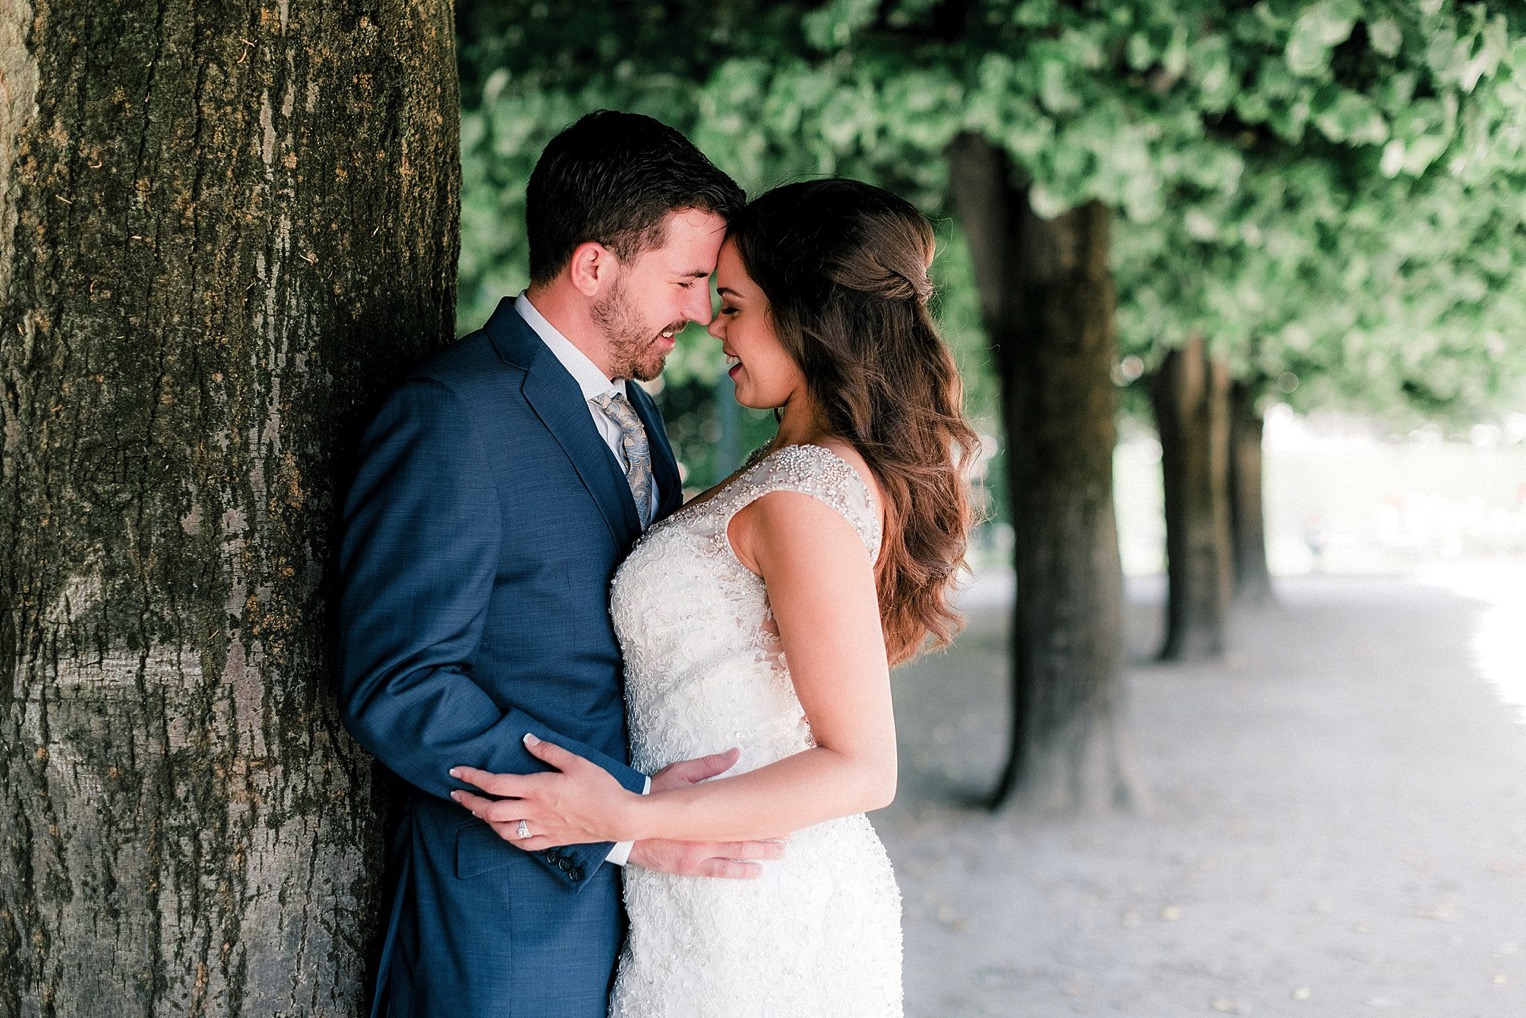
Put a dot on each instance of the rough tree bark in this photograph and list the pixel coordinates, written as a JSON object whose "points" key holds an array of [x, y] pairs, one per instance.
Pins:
{"points": [[1191, 398], [1047, 300], [1247, 520], [225, 227]]}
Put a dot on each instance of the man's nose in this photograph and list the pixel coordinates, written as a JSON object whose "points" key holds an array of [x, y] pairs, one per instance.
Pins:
{"points": [[700, 309]]}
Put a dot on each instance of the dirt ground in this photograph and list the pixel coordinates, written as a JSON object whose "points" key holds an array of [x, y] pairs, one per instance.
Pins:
{"points": [[1338, 825]]}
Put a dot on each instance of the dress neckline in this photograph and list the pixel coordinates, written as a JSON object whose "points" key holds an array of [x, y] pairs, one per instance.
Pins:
{"points": [[760, 456]]}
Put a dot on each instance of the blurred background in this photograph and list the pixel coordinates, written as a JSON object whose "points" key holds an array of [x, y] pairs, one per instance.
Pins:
{"points": [[1327, 196], [1237, 293]]}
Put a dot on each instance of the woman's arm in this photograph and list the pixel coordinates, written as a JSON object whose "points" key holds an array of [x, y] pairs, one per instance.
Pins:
{"points": [[820, 584]]}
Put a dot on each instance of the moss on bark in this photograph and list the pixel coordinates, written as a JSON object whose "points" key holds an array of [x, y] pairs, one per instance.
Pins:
{"points": [[229, 228]]}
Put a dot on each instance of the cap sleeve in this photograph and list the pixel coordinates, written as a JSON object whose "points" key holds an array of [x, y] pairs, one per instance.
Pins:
{"points": [[820, 473]]}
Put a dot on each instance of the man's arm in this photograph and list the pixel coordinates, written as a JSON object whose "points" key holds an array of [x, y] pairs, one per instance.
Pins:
{"points": [[736, 860], [421, 547]]}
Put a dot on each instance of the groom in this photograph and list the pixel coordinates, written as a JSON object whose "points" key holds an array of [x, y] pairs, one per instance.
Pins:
{"points": [[496, 491]]}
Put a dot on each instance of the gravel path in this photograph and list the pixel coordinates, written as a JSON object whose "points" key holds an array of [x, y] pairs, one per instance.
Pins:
{"points": [[1338, 826]]}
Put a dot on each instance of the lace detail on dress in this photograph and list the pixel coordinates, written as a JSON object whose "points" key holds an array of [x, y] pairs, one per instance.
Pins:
{"points": [[819, 934], [811, 470]]}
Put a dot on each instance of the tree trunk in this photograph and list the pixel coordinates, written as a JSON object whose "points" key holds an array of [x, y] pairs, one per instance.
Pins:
{"points": [[226, 228], [1047, 300], [1247, 521], [1191, 397]]}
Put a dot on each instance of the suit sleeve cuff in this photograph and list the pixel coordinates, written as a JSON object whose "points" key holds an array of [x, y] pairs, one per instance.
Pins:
{"points": [[620, 854]]}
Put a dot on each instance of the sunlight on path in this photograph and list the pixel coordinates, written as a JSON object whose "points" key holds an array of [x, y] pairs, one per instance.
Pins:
{"points": [[1499, 643]]}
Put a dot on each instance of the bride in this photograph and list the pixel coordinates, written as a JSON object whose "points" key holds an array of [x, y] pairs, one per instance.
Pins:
{"points": [[764, 616]]}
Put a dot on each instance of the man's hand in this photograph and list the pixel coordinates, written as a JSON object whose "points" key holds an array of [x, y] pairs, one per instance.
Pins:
{"points": [[733, 860], [691, 772], [573, 803]]}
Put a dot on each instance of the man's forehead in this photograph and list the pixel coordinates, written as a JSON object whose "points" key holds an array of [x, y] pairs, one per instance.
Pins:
{"points": [[696, 225], [693, 238]]}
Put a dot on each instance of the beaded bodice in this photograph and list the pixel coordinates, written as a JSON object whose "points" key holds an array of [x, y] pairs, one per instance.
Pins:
{"points": [[818, 933], [704, 670]]}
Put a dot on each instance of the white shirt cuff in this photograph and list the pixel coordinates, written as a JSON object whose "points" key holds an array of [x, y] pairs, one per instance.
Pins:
{"points": [[621, 853]]}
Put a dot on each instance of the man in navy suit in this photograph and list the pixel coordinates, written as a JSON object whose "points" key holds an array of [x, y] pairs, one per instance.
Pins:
{"points": [[497, 490]]}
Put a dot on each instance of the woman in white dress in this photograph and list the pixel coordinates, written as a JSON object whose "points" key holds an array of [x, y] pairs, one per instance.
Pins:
{"points": [[764, 616]]}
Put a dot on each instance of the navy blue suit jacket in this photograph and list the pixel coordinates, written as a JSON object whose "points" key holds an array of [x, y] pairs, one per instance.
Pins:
{"points": [[484, 523]]}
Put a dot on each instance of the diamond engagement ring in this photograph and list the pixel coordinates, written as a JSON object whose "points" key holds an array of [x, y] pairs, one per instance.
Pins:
{"points": [[524, 830]]}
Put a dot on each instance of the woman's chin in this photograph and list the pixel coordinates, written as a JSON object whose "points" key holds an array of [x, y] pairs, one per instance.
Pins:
{"points": [[754, 403]]}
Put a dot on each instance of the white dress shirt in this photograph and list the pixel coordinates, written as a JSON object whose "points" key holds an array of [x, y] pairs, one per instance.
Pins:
{"points": [[593, 383]]}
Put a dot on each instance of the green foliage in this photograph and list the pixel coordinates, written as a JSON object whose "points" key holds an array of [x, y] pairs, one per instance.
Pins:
{"points": [[1390, 289], [1366, 256], [765, 121], [1326, 190]]}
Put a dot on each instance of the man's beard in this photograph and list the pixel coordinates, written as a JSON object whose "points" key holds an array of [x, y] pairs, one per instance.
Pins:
{"points": [[631, 345]]}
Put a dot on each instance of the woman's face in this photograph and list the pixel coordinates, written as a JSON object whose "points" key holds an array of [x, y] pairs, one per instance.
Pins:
{"points": [[764, 373]]}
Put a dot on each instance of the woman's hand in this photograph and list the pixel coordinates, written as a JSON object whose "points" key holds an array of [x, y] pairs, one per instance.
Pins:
{"points": [[577, 803]]}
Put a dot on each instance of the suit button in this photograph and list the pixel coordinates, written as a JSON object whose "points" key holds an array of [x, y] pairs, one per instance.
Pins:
{"points": [[548, 855], [575, 873], [565, 865]]}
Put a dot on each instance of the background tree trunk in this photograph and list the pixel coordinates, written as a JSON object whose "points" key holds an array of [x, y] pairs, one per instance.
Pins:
{"points": [[1191, 397], [1247, 521], [226, 228], [1047, 299]]}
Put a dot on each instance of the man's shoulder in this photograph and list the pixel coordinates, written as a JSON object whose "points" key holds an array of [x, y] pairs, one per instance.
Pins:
{"points": [[500, 346], [469, 369], [466, 358]]}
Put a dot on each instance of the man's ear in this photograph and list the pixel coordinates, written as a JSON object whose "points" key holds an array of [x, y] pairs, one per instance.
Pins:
{"points": [[593, 268]]}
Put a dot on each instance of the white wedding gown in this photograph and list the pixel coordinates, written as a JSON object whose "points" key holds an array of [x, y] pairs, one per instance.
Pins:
{"points": [[819, 933]]}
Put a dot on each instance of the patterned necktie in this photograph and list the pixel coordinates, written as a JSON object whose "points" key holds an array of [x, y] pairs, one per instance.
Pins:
{"points": [[638, 456]]}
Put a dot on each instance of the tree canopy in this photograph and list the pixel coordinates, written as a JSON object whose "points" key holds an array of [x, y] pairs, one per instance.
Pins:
{"points": [[1329, 192]]}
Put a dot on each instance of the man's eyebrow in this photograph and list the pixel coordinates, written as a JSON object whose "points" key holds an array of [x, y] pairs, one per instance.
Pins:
{"points": [[695, 274]]}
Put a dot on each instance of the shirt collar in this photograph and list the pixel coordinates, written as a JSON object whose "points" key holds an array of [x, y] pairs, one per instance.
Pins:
{"points": [[584, 371]]}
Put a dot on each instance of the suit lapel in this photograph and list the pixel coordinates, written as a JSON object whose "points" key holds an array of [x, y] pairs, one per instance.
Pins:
{"points": [[556, 399]]}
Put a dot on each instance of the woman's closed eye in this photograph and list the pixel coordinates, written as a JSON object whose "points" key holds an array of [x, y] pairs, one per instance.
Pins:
{"points": [[729, 309]]}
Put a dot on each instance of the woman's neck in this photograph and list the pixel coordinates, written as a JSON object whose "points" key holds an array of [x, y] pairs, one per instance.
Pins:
{"points": [[800, 425]]}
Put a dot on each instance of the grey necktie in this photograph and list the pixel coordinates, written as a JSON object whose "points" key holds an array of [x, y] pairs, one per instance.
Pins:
{"points": [[638, 455]]}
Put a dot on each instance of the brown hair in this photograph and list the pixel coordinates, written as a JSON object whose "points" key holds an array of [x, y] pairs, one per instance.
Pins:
{"points": [[614, 177], [844, 268]]}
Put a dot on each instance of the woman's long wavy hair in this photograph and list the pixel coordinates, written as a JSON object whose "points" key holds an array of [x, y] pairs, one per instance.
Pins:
{"points": [[844, 268]]}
